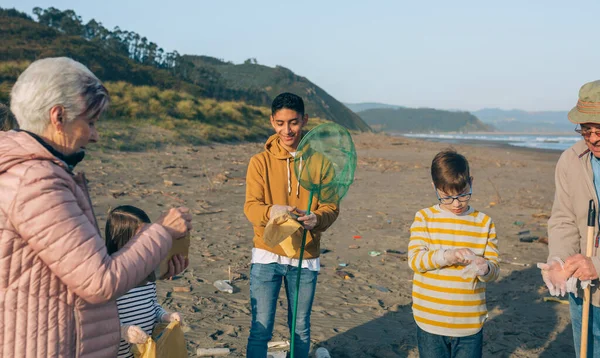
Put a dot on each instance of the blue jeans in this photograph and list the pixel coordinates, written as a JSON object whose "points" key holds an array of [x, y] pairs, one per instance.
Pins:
{"points": [[265, 283], [575, 306], [435, 346]]}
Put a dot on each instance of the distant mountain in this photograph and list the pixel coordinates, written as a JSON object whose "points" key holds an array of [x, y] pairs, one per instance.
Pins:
{"points": [[516, 120], [422, 120], [359, 107], [253, 77]]}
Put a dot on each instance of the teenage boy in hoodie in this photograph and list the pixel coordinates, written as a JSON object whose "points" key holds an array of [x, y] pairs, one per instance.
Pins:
{"points": [[271, 189]]}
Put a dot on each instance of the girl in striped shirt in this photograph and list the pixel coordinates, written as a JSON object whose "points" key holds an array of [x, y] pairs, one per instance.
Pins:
{"points": [[139, 310], [453, 251]]}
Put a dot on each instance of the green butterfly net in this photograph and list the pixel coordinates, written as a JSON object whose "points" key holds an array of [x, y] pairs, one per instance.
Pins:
{"points": [[325, 163]]}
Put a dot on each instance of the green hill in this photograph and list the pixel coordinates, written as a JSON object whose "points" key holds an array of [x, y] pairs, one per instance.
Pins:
{"points": [[251, 76], [420, 120], [517, 120], [124, 56]]}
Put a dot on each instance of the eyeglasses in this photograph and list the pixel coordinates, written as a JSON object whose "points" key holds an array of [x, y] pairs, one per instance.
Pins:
{"points": [[587, 132], [450, 199]]}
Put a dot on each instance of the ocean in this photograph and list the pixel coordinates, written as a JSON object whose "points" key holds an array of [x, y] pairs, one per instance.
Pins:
{"points": [[537, 141]]}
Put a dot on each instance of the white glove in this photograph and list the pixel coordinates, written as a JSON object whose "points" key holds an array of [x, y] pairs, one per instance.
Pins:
{"points": [[585, 284], [572, 285], [133, 334], [457, 256], [555, 277], [170, 317], [308, 221], [477, 267], [278, 210]]}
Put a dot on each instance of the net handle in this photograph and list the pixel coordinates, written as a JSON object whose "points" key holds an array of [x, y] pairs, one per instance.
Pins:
{"points": [[295, 313]]}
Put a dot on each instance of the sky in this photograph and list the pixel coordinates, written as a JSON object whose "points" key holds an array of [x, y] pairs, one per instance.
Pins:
{"points": [[531, 55]]}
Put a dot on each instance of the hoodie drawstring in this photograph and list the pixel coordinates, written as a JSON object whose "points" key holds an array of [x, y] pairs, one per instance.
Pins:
{"points": [[298, 180], [289, 178]]}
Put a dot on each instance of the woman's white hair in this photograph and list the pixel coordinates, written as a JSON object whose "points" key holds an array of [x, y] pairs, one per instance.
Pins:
{"points": [[56, 81]]}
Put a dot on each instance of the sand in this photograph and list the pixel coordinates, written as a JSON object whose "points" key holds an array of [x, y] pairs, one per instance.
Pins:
{"points": [[368, 315]]}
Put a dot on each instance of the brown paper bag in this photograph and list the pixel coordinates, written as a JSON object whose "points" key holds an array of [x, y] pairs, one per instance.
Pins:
{"points": [[280, 228], [180, 247]]}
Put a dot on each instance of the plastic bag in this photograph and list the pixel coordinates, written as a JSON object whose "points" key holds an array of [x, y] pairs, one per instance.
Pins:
{"points": [[167, 342]]}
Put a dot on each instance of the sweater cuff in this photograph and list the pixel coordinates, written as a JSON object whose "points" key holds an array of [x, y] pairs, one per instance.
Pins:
{"points": [[439, 259]]}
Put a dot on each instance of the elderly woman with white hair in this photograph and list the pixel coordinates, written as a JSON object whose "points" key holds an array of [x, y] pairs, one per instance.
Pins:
{"points": [[58, 285]]}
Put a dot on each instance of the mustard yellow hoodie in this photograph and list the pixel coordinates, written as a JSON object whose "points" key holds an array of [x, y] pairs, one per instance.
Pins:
{"points": [[271, 180]]}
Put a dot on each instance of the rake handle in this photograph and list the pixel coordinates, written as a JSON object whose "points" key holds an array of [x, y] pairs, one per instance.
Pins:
{"points": [[585, 314]]}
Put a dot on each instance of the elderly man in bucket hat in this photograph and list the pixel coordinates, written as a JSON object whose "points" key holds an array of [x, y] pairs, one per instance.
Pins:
{"points": [[577, 182]]}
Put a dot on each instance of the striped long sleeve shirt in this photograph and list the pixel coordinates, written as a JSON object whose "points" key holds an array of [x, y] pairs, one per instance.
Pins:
{"points": [[139, 307], [445, 303]]}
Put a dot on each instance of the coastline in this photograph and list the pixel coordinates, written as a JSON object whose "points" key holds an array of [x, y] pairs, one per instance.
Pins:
{"points": [[450, 139], [488, 144]]}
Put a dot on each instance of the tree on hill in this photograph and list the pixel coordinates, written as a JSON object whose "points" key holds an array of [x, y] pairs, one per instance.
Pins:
{"points": [[121, 55]]}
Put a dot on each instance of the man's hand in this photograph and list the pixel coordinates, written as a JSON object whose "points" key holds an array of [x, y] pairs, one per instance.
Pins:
{"points": [[177, 265], [554, 276], [581, 267], [308, 221]]}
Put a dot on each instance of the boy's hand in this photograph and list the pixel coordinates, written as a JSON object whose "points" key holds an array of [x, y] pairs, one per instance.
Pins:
{"points": [[308, 221], [458, 256], [479, 265], [133, 334], [277, 210]]}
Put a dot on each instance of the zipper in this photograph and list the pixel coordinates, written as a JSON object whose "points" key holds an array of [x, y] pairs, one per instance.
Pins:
{"points": [[83, 185], [77, 334]]}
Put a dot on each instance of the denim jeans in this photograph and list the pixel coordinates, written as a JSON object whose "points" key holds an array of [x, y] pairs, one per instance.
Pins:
{"points": [[575, 307], [435, 346], [265, 283]]}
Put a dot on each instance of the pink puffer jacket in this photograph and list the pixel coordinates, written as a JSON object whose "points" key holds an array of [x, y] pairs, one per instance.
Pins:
{"points": [[57, 283]]}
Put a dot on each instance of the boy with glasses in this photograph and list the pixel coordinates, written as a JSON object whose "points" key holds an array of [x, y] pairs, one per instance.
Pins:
{"points": [[453, 251]]}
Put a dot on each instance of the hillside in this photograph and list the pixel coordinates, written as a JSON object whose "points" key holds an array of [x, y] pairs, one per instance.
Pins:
{"points": [[522, 121], [251, 76], [420, 120], [123, 56]]}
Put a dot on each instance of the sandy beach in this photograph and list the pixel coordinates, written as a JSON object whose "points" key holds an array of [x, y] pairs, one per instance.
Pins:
{"points": [[369, 314]]}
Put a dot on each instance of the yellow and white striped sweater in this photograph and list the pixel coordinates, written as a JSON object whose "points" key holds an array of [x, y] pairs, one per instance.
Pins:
{"points": [[444, 303]]}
